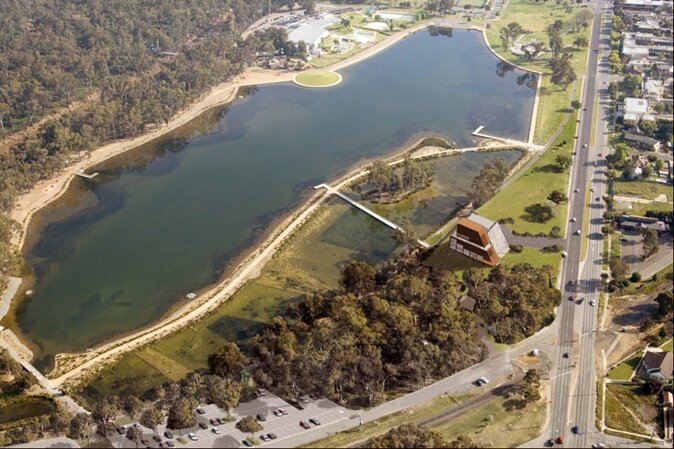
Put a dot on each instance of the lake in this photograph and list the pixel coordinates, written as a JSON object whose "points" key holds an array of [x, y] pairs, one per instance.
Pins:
{"points": [[168, 218]]}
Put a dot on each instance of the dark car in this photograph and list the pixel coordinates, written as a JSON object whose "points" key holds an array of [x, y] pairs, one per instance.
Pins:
{"points": [[272, 436], [579, 300], [575, 429], [247, 443], [169, 444], [201, 411], [168, 434], [315, 421], [120, 430], [145, 441], [305, 425], [203, 425], [560, 440], [565, 355], [571, 298], [261, 417]]}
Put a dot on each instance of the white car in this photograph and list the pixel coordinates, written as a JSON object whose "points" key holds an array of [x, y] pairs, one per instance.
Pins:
{"points": [[216, 431], [576, 190], [592, 303], [193, 436], [564, 254], [592, 189], [573, 220], [482, 381], [577, 232], [584, 145]]}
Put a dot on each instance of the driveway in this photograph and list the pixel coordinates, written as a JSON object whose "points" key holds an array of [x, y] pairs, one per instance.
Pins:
{"points": [[532, 242], [632, 250]]}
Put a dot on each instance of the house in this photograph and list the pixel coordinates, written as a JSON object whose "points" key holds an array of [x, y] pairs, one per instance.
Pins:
{"points": [[480, 239], [653, 90], [646, 6], [643, 142], [637, 223], [656, 365], [634, 110]]}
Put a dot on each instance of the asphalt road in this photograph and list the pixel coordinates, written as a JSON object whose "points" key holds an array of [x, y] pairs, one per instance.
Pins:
{"points": [[577, 321]]}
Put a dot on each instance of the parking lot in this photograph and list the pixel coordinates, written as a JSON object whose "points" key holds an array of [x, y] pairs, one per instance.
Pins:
{"points": [[326, 411]]}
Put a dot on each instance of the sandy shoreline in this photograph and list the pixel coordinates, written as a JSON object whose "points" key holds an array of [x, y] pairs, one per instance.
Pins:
{"points": [[73, 366]]}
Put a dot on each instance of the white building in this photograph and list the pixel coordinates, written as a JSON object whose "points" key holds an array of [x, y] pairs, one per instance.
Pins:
{"points": [[634, 109], [312, 32]]}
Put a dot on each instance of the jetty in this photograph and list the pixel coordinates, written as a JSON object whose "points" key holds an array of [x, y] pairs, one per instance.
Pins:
{"points": [[528, 145], [86, 175], [333, 191]]}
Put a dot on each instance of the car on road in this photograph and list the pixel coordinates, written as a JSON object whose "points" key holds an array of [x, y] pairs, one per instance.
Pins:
{"points": [[315, 421], [598, 198], [592, 189], [579, 300], [584, 145], [549, 443], [571, 298], [272, 436], [305, 425], [576, 190], [600, 154], [564, 254], [201, 411], [261, 417], [203, 425], [575, 429], [573, 220], [193, 436], [592, 303], [565, 355], [599, 445], [216, 430], [560, 440], [576, 232]]}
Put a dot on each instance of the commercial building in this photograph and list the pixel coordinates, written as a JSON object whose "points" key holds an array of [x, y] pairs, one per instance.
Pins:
{"points": [[480, 239]]}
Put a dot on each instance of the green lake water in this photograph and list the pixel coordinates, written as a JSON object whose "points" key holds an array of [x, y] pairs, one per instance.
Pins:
{"points": [[164, 220]]}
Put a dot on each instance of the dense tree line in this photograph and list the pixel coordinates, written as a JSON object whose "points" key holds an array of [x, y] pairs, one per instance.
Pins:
{"points": [[144, 61], [395, 327], [488, 181], [397, 182]]}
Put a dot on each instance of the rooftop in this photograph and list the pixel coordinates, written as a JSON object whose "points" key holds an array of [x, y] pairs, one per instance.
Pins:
{"points": [[636, 105]]}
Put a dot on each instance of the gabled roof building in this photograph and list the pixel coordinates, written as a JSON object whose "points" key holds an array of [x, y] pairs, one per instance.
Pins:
{"points": [[480, 239]]}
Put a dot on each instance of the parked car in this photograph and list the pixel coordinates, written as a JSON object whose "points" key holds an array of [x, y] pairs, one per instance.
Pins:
{"points": [[216, 431], [272, 436], [305, 425], [264, 437], [168, 434], [262, 392], [482, 381], [247, 443], [221, 421], [564, 254], [214, 421], [571, 298], [121, 430], [261, 417], [193, 436], [169, 444], [315, 421], [201, 411], [203, 425]]}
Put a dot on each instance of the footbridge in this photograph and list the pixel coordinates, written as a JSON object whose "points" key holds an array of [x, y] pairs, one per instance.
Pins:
{"points": [[333, 191]]}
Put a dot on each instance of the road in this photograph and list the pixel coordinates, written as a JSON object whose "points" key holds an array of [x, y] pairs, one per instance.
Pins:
{"points": [[576, 373]]}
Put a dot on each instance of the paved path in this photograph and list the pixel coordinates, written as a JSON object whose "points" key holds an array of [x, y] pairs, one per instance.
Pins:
{"points": [[532, 242], [50, 443], [6, 300]]}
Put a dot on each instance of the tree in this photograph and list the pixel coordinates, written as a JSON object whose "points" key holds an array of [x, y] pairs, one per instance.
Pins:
{"points": [[619, 269], [80, 427], [504, 34], [248, 424], [650, 243], [132, 406], [583, 18], [632, 85], [580, 42], [134, 434], [151, 418], [408, 435], [105, 412], [563, 161], [665, 302], [539, 212], [563, 73], [224, 393], [358, 277], [555, 42], [181, 414], [558, 197], [228, 362], [575, 104]]}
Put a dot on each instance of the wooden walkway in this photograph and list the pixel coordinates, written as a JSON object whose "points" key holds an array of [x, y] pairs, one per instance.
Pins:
{"points": [[332, 191], [530, 146], [86, 175]]}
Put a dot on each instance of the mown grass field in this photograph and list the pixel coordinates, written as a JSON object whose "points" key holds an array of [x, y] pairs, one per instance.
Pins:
{"points": [[536, 16], [624, 370], [534, 186], [317, 78]]}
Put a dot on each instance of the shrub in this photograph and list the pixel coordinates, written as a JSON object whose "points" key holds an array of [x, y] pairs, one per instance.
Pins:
{"points": [[516, 248], [551, 249], [636, 277], [555, 232]]}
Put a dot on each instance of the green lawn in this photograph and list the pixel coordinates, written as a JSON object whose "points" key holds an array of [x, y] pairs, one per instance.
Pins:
{"points": [[23, 407], [624, 370], [317, 78], [643, 189], [533, 256], [534, 186], [668, 346], [536, 16]]}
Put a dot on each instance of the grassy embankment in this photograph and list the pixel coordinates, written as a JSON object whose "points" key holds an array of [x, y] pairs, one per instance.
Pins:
{"points": [[489, 424], [18, 408], [628, 408], [625, 369], [537, 16], [534, 186]]}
